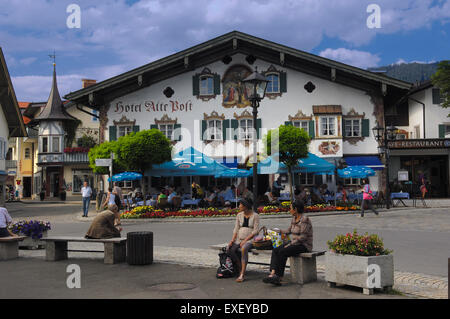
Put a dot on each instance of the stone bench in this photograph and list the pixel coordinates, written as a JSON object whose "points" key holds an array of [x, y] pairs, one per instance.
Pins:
{"points": [[303, 267], [114, 252], [9, 247]]}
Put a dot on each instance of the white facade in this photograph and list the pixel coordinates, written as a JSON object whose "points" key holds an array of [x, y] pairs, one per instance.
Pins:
{"points": [[4, 135], [137, 107]]}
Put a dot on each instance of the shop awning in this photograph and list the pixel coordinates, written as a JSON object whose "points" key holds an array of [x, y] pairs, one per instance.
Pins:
{"points": [[370, 161]]}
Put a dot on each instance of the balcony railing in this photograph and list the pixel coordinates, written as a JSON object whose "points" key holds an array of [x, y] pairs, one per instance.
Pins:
{"points": [[11, 164], [50, 158]]}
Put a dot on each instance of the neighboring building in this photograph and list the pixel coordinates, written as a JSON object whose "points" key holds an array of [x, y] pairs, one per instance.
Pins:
{"points": [[196, 98], [11, 123], [423, 145]]}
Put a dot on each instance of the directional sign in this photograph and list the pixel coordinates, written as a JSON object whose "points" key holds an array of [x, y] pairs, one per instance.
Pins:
{"points": [[103, 162]]}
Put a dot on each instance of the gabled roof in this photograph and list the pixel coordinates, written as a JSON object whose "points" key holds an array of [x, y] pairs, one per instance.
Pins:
{"points": [[230, 44], [54, 109], [9, 103]]}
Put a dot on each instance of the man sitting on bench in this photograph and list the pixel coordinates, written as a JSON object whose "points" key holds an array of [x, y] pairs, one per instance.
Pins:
{"points": [[5, 220], [103, 225]]}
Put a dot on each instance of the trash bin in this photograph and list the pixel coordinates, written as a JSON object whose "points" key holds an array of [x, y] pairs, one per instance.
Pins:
{"points": [[140, 248]]}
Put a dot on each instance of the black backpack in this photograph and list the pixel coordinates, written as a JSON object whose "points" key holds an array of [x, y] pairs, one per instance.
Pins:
{"points": [[226, 268]]}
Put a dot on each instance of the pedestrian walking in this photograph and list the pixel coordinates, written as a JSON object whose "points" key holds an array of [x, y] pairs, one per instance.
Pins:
{"points": [[118, 191], [86, 192], [367, 197]]}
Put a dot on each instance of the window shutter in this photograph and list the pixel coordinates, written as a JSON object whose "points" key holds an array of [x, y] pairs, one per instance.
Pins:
{"points": [[343, 127], [288, 123], [112, 133], [203, 130], [436, 96], [441, 131], [153, 126], [136, 128], [234, 129], [177, 129], [283, 82], [365, 130], [258, 128], [217, 84], [196, 85], [311, 129], [225, 127]]}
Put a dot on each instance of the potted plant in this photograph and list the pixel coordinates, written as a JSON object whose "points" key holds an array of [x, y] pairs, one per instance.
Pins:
{"points": [[361, 261], [34, 230]]}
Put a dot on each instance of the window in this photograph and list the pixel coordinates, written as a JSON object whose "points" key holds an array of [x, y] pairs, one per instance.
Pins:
{"points": [[273, 86], [206, 85], [79, 177], [167, 130], [447, 131], [27, 153], [45, 145], [352, 181], [94, 119], [55, 145], [246, 129], [301, 124], [400, 136], [328, 126], [352, 127], [306, 179], [125, 130], [215, 130]]}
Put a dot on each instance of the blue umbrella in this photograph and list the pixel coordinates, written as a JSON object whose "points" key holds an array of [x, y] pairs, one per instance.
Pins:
{"points": [[233, 173], [356, 172], [310, 164], [125, 176]]}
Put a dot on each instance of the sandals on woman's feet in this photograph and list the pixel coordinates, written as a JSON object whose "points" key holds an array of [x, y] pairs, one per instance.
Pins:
{"points": [[240, 279]]}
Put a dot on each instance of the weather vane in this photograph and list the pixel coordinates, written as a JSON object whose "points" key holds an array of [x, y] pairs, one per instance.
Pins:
{"points": [[53, 56]]}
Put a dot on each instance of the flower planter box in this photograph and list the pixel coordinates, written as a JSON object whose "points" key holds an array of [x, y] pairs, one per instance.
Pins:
{"points": [[31, 243], [354, 271]]}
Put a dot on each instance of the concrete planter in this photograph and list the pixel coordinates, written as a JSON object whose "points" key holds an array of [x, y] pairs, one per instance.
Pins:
{"points": [[31, 243], [355, 271]]}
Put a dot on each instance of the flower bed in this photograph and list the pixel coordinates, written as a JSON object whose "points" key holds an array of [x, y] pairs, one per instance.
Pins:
{"points": [[32, 228], [151, 212]]}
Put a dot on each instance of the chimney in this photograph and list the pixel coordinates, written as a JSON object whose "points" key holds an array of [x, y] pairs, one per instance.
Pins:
{"points": [[87, 82]]}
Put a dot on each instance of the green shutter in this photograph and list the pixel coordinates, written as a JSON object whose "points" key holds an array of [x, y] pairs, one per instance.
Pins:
{"points": [[217, 84], [203, 130], [175, 127], [225, 127], [283, 82], [154, 126], [258, 128], [343, 127], [311, 129], [136, 128], [196, 85], [234, 129], [436, 96], [288, 123], [112, 133], [365, 129], [441, 131]]}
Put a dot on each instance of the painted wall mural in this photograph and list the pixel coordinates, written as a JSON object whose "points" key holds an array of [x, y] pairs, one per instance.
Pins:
{"points": [[234, 92], [329, 148]]}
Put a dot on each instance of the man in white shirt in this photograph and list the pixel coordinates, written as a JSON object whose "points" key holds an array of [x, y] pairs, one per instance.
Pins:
{"points": [[5, 220], [86, 192]]}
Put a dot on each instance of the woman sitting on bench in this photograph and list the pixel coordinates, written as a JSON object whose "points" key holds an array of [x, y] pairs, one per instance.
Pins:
{"points": [[103, 225], [302, 238], [5, 220]]}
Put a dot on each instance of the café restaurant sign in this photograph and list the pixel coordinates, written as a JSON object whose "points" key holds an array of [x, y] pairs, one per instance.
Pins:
{"points": [[152, 106], [420, 143]]}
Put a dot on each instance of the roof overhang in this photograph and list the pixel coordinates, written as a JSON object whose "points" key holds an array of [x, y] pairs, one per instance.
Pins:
{"points": [[230, 44], [9, 103]]}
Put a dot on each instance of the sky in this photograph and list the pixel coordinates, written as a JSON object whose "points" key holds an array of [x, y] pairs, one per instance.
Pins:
{"points": [[115, 36]]}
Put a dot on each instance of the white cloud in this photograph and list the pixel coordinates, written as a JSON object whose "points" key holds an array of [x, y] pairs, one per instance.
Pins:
{"points": [[356, 58]]}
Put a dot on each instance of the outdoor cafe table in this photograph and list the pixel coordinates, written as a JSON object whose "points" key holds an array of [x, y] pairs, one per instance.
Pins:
{"points": [[399, 197]]}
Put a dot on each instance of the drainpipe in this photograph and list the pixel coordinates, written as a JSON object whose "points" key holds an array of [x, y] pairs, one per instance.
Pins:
{"points": [[423, 107]]}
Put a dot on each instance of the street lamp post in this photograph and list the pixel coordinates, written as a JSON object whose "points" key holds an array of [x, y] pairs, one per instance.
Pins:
{"points": [[255, 86], [385, 135]]}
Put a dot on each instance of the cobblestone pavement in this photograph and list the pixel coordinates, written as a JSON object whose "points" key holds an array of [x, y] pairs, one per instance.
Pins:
{"points": [[417, 285]]}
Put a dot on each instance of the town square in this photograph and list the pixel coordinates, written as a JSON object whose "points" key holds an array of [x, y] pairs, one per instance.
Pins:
{"points": [[224, 161]]}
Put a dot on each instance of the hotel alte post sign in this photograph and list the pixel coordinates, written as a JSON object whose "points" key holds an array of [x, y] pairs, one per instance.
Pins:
{"points": [[419, 144]]}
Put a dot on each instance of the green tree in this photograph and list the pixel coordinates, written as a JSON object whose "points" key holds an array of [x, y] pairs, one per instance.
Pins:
{"points": [[291, 143], [139, 151], [104, 150], [441, 79]]}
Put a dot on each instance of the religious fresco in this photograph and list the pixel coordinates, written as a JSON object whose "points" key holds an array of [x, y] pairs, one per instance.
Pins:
{"points": [[329, 148], [234, 92]]}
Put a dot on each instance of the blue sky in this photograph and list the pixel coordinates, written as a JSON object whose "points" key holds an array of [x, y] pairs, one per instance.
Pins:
{"points": [[118, 35]]}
